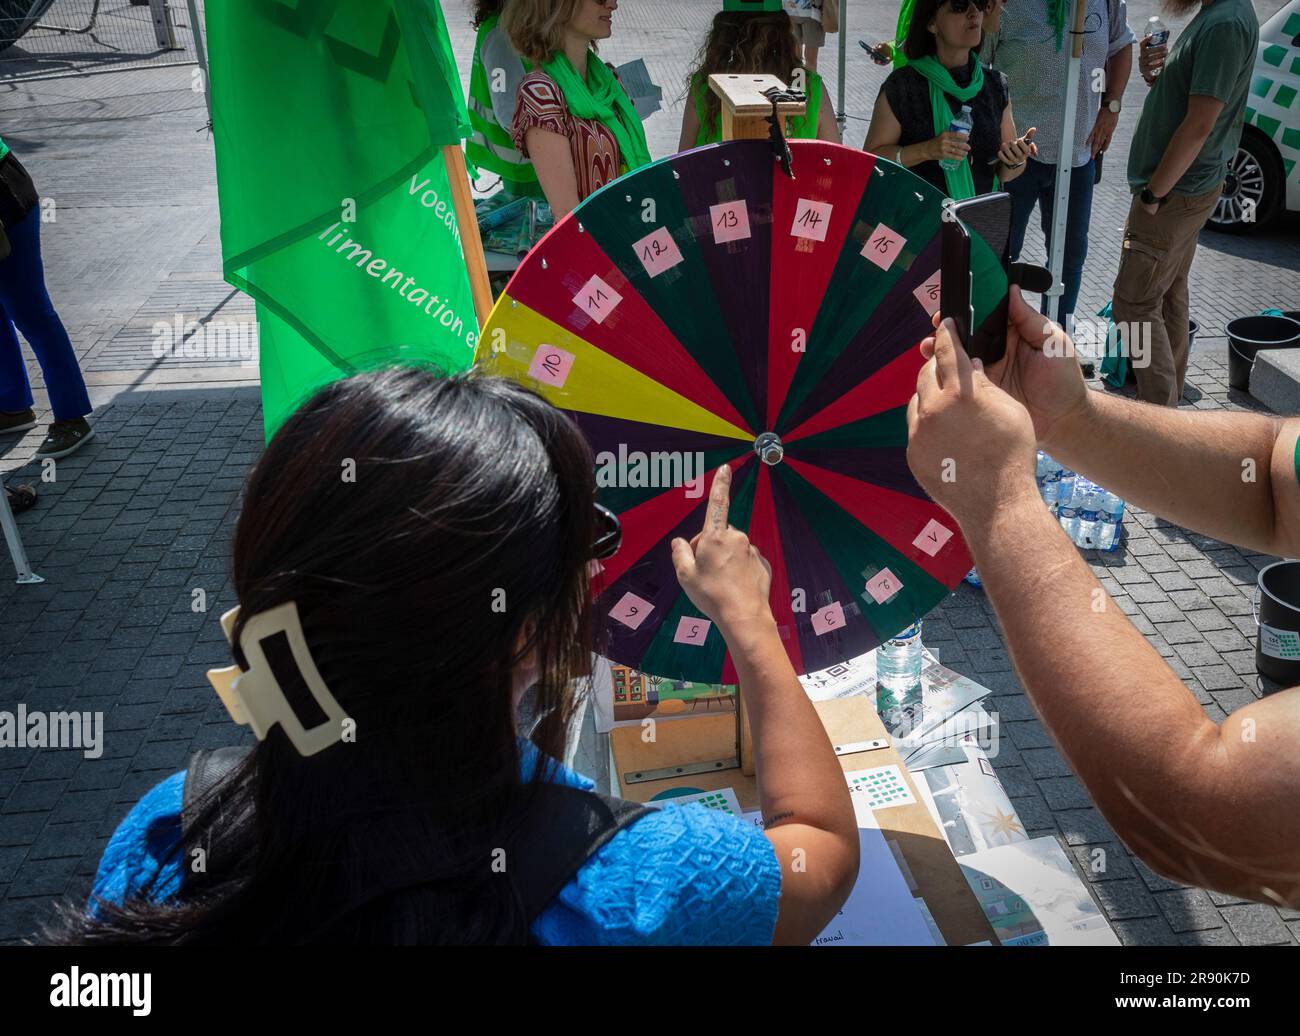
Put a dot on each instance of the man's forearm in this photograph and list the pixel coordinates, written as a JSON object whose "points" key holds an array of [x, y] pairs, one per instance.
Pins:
{"points": [[1126, 724], [1205, 471], [1183, 148], [1118, 68]]}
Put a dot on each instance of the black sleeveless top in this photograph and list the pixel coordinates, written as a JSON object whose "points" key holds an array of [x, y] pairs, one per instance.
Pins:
{"points": [[908, 93]]}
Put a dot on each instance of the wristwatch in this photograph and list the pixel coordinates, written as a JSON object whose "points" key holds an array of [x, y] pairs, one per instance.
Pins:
{"points": [[1112, 106], [1150, 199]]}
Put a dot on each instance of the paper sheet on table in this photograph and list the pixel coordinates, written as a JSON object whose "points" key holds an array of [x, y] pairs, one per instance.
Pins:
{"points": [[969, 804], [880, 911], [856, 676], [1032, 896], [723, 800]]}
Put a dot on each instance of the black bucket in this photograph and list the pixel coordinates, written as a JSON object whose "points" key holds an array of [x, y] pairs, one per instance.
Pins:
{"points": [[1248, 335], [1277, 646]]}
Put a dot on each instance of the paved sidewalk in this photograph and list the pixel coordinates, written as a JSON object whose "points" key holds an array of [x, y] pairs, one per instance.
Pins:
{"points": [[139, 520]]}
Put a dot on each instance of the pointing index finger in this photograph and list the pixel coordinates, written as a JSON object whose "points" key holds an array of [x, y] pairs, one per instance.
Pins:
{"points": [[719, 500]]}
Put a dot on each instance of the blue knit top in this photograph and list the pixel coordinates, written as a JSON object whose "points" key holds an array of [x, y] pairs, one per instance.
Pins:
{"points": [[679, 876]]}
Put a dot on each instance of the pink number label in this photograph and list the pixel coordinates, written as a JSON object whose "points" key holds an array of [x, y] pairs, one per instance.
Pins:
{"points": [[883, 585], [631, 610], [829, 618], [551, 365], [691, 630], [928, 294], [658, 252], [932, 538], [811, 219], [730, 221], [597, 299], [883, 246]]}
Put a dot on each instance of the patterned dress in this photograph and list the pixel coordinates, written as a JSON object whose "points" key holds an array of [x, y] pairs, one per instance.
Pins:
{"points": [[540, 104]]}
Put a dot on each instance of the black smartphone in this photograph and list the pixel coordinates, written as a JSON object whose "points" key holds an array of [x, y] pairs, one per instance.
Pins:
{"points": [[974, 268]]}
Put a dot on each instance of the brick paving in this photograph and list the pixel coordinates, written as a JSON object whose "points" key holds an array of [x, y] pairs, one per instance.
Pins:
{"points": [[138, 520]]}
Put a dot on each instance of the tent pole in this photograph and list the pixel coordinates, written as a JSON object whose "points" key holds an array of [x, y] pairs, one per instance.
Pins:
{"points": [[1065, 160], [470, 241], [841, 118]]}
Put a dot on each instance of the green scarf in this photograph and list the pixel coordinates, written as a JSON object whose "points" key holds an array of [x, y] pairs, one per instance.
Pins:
{"points": [[1057, 12], [601, 97], [961, 184], [4, 148]]}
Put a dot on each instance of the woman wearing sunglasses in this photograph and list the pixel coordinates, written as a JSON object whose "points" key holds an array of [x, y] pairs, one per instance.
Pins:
{"points": [[412, 560], [919, 102]]}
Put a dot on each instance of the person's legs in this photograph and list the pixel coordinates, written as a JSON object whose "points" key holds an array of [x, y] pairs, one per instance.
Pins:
{"points": [[1144, 277], [15, 390], [1191, 214], [1076, 238], [1024, 191], [24, 299]]}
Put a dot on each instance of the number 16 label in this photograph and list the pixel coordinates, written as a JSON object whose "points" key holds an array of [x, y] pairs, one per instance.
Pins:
{"points": [[928, 294]]}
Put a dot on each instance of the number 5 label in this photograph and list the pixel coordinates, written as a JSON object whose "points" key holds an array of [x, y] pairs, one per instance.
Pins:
{"points": [[691, 630]]}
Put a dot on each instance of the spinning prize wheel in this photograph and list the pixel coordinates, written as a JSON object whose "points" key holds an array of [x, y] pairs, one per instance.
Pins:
{"points": [[708, 309]]}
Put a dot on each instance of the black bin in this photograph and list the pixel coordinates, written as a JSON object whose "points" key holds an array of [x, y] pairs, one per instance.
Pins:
{"points": [[1248, 335], [1277, 644]]}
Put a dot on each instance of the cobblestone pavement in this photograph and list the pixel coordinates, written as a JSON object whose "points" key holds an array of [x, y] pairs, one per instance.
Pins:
{"points": [[141, 518]]}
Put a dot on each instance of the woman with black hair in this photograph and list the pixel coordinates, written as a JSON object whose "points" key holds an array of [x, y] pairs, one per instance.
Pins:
{"points": [[912, 120], [414, 553]]}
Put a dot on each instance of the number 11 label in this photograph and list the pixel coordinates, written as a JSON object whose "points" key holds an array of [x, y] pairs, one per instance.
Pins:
{"points": [[597, 299]]}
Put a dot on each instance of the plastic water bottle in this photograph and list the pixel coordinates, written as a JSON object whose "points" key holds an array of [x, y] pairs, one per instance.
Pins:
{"points": [[1065, 488], [1157, 35], [1112, 518], [1068, 513], [898, 661], [973, 578], [1049, 480], [961, 124], [1089, 514]]}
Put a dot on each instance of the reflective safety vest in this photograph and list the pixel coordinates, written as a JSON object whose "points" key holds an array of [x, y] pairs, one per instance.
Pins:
{"points": [[490, 146]]}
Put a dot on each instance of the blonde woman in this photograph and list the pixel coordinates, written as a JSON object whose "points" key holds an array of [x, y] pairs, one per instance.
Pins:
{"points": [[573, 120]]}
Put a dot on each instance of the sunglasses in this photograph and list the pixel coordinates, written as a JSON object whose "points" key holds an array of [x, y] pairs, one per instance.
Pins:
{"points": [[961, 6], [609, 534]]}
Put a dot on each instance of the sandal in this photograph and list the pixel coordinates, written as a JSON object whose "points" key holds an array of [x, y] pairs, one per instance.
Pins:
{"points": [[21, 498]]}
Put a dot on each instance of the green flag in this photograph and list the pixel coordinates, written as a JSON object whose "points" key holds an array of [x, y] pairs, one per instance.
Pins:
{"points": [[336, 213]]}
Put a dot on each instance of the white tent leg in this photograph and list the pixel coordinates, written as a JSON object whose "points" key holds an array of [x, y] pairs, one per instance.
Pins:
{"points": [[840, 117], [16, 551]]}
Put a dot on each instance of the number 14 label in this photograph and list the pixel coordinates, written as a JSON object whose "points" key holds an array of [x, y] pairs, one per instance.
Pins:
{"points": [[812, 219]]}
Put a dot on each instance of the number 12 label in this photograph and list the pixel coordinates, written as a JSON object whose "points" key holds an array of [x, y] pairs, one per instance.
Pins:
{"points": [[658, 252]]}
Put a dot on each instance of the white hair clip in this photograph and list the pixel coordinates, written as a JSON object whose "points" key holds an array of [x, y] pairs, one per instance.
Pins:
{"points": [[253, 696]]}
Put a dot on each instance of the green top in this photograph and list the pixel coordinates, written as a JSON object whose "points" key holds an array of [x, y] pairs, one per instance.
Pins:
{"points": [[4, 149], [802, 127], [1214, 57]]}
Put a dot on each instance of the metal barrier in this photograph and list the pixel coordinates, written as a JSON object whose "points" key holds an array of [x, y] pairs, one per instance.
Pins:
{"points": [[56, 38]]}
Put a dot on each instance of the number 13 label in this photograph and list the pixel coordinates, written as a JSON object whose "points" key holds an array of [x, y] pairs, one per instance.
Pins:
{"points": [[730, 221]]}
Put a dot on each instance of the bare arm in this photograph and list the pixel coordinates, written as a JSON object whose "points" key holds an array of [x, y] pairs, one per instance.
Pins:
{"points": [[690, 127], [1227, 475], [553, 160], [886, 131], [1208, 805], [1213, 806], [1186, 143], [805, 800], [827, 127]]}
